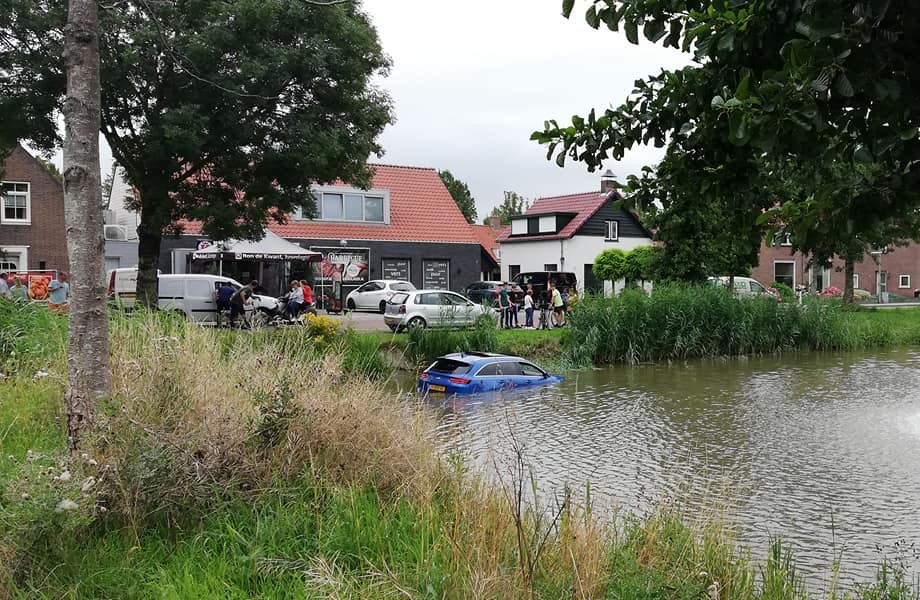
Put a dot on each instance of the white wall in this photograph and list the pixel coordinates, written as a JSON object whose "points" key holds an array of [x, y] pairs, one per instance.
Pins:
{"points": [[578, 251]]}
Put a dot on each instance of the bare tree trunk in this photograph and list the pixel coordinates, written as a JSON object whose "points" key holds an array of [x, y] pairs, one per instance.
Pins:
{"points": [[88, 343], [149, 238], [848, 281]]}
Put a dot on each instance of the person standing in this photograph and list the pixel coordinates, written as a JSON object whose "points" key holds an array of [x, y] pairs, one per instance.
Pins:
{"points": [[4, 287], [503, 304], [528, 309], [60, 291], [239, 299], [557, 304], [18, 291]]}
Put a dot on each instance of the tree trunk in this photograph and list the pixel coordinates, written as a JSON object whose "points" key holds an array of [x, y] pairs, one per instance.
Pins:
{"points": [[149, 237], [848, 281], [88, 343]]}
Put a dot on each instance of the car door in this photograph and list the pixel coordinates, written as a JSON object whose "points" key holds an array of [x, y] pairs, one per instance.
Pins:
{"points": [[458, 310], [368, 295], [428, 305]]}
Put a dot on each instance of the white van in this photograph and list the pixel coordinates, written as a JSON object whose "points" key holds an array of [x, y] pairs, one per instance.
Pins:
{"points": [[193, 295]]}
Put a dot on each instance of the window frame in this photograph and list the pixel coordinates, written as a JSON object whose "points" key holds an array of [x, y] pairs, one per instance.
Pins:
{"points": [[4, 220], [18, 254], [901, 284], [320, 192], [856, 281], [785, 262], [611, 231]]}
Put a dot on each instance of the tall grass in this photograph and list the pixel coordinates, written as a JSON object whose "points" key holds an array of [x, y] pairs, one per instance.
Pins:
{"points": [[31, 337], [681, 322], [425, 345]]}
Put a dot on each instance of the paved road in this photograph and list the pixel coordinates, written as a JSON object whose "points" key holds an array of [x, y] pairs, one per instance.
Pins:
{"points": [[361, 321]]}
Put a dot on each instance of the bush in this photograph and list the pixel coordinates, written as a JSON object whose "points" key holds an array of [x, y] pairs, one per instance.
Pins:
{"points": [[785, 291]]}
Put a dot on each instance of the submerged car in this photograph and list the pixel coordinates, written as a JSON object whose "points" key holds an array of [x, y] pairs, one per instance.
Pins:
{"points": [[471, 372]]}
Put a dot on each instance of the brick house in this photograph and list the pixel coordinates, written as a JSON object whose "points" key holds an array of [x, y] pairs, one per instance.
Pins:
{"points": [[32, 234], [896, 272]]}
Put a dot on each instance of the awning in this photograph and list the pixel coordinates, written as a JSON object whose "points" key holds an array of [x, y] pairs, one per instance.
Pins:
{"points": [[270, 247]]}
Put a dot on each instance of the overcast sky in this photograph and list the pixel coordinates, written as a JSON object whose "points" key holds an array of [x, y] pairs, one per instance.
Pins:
{"points": [[472, 80]]}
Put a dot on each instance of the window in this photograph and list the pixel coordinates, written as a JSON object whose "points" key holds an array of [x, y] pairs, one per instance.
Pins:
{"points": [[489, 370], [855, 281], [784, 272], [903, 281], [14, 258], [611, 231], [17, 204], [513, 271], [882, 278], [432, 299], [347, 204], [756, 288], [782, 239], [550, 267], [529, 370]]}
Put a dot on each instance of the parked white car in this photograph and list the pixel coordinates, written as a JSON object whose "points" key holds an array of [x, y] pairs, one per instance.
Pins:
{"points": [[432, 308], [374, 294], [195, 296], [745, 287]]}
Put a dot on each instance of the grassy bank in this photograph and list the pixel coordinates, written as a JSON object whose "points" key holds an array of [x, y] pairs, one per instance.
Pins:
{"points": [[678, 323], [229, 465]]}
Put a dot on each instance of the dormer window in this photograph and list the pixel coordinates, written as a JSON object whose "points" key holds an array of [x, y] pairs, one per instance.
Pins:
{"points": [[348, 205], [611, 231]]}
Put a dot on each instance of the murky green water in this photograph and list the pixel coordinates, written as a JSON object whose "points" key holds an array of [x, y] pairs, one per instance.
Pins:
{"points": [[821, 449]]}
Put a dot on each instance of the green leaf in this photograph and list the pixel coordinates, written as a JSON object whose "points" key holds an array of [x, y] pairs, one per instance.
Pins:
{"points": [[843, 86], [567, 6], [632, 32], [727, 41], [908, 134], [738, 131], [592, 17], [717, 102], [560, 159], [862, 155], [742, 91], [653, 30]]}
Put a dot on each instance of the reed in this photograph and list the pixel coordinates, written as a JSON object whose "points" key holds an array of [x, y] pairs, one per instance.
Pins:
{"points": [[682, 322]]}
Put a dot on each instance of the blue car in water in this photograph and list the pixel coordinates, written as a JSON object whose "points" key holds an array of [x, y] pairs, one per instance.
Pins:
{"points": [[472, 372]]}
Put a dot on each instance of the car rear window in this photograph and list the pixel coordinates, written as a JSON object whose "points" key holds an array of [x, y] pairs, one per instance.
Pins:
{"points": [[399, 298], [403, 287], [452, 367]]}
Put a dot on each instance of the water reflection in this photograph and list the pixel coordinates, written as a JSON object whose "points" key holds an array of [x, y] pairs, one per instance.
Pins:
{"points": [[823, 450]]}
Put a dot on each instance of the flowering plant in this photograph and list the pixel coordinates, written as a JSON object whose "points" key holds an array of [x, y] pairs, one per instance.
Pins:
{"points": [[831, 292]]}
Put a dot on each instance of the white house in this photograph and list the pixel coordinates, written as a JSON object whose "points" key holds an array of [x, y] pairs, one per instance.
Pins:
{"points": [[566, 233]]}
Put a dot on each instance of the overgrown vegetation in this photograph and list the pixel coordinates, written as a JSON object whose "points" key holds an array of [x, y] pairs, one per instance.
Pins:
{"points": [[680, 322], [244, 465]]}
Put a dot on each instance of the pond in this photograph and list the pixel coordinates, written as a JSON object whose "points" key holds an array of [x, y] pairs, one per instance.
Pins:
{"points": [[822, 450]]}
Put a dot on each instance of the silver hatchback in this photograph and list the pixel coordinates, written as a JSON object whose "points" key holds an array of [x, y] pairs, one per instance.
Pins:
{"points": [[431, 308]]}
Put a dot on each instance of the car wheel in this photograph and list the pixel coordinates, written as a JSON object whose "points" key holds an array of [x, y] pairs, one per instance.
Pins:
{"points": [[383, 306], [416, 323], [350, 305], [393, 328]]}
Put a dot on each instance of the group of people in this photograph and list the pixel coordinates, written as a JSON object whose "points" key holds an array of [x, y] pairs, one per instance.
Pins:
{"points": [[299, 299], [13, 287], [552, 304]]}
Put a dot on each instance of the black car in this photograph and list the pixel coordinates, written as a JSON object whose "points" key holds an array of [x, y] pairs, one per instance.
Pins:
{"points": [[481, 291], [539, 280]]}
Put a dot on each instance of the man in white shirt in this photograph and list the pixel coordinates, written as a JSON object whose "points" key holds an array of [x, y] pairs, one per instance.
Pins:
{"points": [[528, 310]]}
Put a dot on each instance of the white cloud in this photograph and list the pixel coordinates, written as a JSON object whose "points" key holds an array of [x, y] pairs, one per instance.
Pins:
{"points": [[472, 80]]}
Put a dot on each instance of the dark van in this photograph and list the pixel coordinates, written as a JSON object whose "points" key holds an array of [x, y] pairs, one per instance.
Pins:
{"points": [[540, 281]]}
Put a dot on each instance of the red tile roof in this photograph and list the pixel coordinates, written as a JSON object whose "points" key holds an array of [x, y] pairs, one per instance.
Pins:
{"points": [[583, 205], [488, 239], [421, 210]]}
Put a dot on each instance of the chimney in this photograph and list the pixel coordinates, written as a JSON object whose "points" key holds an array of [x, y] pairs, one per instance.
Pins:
{"points": [[608, 181], [495, 222]]}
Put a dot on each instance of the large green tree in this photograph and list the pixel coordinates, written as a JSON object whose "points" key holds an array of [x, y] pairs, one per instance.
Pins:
{"points": [[804, 81], [220, 111], [460, 192], [512, 205]]}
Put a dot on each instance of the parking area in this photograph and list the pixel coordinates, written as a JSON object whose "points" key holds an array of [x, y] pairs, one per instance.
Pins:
{"points": [[360, 321]]}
